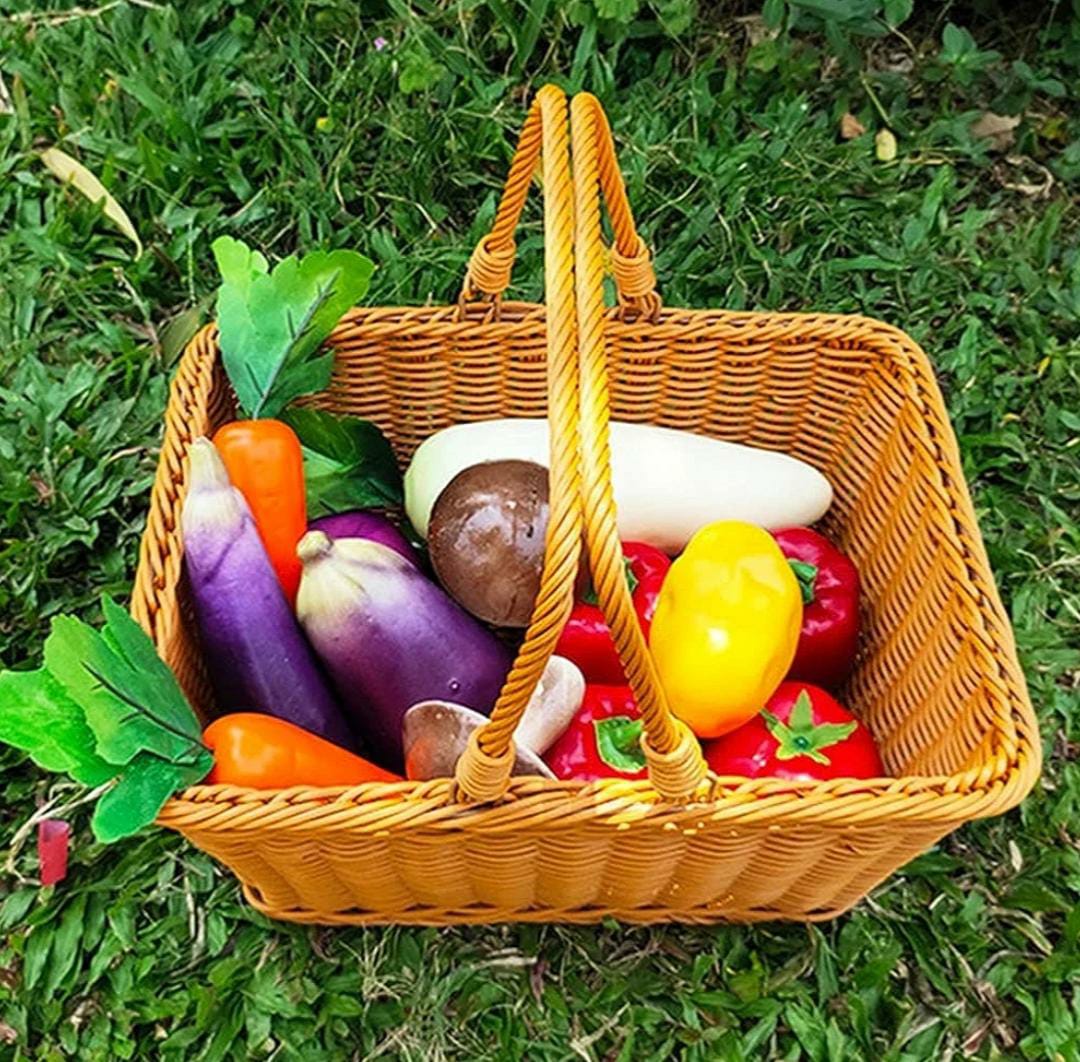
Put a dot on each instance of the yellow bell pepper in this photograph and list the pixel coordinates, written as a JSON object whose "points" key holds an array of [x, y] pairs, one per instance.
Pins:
{"points": [[726, 626]]}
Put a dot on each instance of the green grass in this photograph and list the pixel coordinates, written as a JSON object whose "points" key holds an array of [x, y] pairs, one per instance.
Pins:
{"points": [[283, 124]]}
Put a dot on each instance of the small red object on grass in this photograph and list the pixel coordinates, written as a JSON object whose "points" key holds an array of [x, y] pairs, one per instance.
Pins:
{"points": [[53, 836]]}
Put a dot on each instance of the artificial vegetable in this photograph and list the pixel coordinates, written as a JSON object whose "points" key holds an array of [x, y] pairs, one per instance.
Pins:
{"points": [[829, 582], [106, 710], [362, 523], [802, 734], [389, 638], [436, 733], [272, 323], [348, 462], [53, 843], [486, 539], [265, 464], [586, 638], [603, 740], [726, 626], [256, 750], [255, 651], [667, 483]]}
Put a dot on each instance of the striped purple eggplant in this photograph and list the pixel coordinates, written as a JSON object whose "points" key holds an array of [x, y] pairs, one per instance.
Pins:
{"points": [[389, 637], [363, 523], [257, 655]]}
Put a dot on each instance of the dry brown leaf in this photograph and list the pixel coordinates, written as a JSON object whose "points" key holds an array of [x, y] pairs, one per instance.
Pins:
{"points": [[757, 29], [1009, 179], [885, 145], [850, 127], [44, 491], [895, 62], [997, 128], [70, 171]]}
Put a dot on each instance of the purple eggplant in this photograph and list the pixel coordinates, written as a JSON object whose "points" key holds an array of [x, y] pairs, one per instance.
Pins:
{"points": [[362, 523], [257, 655], [389, 637]]}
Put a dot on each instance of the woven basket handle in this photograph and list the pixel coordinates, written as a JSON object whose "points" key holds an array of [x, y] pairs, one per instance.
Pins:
{"points": [[492, 261], [483, 771], [676, 765]]}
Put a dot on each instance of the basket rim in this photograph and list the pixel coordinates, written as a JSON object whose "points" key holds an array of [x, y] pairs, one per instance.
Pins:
{"points": [[387, 807], [1008, 771]]}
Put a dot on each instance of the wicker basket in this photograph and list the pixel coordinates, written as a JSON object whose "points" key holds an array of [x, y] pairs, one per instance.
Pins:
{"points": [[937, 680]]}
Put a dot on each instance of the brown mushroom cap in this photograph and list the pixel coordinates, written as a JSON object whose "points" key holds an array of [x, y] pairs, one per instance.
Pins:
{"points": [[486, 539], [435, 734]]}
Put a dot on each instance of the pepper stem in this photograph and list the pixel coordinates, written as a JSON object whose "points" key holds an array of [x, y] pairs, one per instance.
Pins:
{"points": [[589, 596], [807, 575], [799, 736]]}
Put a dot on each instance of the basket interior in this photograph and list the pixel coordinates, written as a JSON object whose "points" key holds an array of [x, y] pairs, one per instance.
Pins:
{"points": [[847, 395]]}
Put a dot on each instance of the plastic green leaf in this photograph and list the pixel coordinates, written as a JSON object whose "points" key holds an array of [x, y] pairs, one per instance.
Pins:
{"points": [[130, 707], [237, 263], [38, 716], [133, 643], [618, 741], [348, 462], [134, 802], [271, 326], [105, 705]]}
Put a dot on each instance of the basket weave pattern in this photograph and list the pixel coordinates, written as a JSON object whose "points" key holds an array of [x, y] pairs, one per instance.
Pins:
{"points": [[937, 680]]}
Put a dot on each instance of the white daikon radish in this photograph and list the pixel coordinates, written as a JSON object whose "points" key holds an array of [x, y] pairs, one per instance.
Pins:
{"points": [[668, 483]]}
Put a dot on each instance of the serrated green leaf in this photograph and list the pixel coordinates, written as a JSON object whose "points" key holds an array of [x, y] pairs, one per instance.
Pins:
{"points": [[348, 462], [146, 783], [38, 716], [271, 326], [237, 263], [133, 643], [128, 709]]}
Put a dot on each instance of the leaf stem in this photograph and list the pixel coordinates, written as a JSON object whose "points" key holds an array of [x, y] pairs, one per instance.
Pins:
{"points": [[141, 710]]}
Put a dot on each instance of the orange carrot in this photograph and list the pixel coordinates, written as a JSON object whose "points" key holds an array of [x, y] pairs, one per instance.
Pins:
{"points": [[265, 752], [266, 464]]}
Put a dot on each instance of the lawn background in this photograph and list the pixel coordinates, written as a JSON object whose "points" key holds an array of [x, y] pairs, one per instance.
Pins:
{"points": [[292, 125]]}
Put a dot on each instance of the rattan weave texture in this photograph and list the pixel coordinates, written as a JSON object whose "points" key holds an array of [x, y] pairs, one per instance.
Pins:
{"points": [[937, 681]]}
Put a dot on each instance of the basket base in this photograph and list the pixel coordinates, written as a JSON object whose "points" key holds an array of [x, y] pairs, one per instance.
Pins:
{"points": [[713, 914]]}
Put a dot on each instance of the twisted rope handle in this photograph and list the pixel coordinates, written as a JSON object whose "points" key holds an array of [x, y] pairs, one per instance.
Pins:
{"points": [[676, 765], [483, 771], [492, 260]]}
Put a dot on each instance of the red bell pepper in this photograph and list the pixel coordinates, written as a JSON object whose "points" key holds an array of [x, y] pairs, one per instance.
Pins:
{"points": [[586, 639], [604, 739], [801, 734], [830, 585]]}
